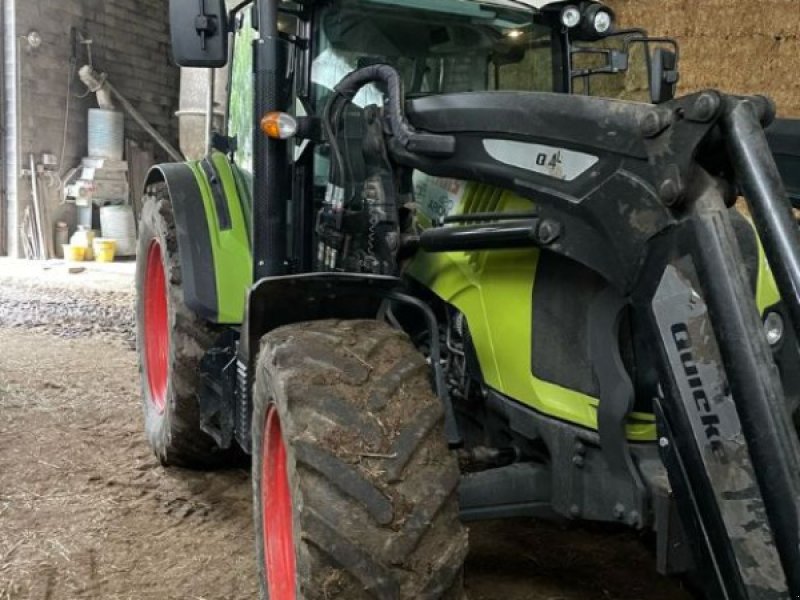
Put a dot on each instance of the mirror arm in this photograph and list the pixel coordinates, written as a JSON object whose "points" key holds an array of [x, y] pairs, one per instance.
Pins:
{"points": [[301, 13], [597, 71], [204, 25], [236, 10], [300, 42]]}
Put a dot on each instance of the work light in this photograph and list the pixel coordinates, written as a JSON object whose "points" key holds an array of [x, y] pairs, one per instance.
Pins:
{"points": [[602, 21], [598, 20], [773, 328], [570, 17]]}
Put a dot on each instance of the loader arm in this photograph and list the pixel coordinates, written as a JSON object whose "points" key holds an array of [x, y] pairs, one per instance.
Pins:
{"points": [[627, 190]]}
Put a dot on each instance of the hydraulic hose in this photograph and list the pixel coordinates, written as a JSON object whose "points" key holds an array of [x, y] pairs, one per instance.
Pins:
{"points": [[388, 79]]}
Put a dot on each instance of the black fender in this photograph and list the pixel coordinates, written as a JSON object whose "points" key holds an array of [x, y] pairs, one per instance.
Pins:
{"points": [[282, 300], [194, 240]]}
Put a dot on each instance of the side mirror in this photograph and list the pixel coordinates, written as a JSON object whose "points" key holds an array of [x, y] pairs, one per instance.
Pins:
{"points": [[199, 32], [508, 55], [663, 75]]}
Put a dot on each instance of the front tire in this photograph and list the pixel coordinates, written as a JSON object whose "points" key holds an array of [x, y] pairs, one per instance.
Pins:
{"points": [[354, 486], [170, 341]]}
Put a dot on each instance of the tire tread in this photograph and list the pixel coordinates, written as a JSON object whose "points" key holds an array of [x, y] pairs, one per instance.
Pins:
{"points": [[176, 437], [384, 456]]}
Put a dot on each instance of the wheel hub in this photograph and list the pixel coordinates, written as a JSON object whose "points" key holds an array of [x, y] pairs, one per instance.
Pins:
{"points": [[276, 513], [156, 327]]}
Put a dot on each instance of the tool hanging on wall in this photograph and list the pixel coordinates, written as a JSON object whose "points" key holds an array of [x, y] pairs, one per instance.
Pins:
{"points": [[44, 242], [29, 241]]}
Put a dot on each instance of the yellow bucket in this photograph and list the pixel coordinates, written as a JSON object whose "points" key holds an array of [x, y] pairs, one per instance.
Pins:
{"points": [[73, 253], [104, 249], [83, 238]]}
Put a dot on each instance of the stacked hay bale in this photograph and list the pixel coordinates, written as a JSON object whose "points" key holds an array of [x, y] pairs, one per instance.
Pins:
{"points": [[740, 46]]}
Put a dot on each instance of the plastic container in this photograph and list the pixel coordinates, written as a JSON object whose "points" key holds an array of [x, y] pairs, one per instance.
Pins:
{"points": [[106, 133], [83, 237], [117, 223], [62, 238], [73, 253], [104, 249]]}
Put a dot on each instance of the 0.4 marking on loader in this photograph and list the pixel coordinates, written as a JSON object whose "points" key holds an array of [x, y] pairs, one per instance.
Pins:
{"points": [[559, 163]]}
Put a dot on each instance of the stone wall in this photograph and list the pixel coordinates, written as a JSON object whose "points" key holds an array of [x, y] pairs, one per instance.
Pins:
{"points": [[741, 46]]}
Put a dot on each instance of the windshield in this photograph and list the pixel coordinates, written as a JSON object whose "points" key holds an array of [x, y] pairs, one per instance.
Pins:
{"points": [[437, 46]]}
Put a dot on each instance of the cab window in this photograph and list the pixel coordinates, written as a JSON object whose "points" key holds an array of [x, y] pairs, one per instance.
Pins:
{"points": [[435, 46], [240, 103]]}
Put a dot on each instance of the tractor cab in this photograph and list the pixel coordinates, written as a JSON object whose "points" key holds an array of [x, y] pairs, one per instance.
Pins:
{"points": [[456, 46], [450, 46], [437, 47]]}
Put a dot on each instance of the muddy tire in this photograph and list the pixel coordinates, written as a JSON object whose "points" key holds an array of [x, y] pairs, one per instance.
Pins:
{"points": [[170, 341], [354, 486]]}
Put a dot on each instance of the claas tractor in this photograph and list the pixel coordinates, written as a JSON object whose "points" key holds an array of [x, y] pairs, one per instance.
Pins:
{"points": [[453, 260]]}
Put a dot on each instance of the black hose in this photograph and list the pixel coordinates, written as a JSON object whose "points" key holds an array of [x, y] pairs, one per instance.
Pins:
{"points": [[390, 83]]}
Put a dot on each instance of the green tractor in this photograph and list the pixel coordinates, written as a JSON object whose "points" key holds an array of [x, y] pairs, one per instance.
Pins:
{"points": [[431, 273]]}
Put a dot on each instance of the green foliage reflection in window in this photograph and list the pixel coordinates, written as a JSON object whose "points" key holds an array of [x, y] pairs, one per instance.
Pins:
{"points": [[240, 111]]}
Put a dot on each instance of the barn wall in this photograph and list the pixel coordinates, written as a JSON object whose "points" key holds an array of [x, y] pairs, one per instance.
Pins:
{"points": [[130, 42], [741, 46]]}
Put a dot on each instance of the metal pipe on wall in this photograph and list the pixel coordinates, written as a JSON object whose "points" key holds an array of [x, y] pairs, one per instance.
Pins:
{"points": [[18, 128], [99, 84], [11, 213], [3, 153], [38, 212]]}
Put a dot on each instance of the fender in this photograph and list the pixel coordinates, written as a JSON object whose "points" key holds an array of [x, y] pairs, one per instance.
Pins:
{"points": [[282, 300], [212, 232]]}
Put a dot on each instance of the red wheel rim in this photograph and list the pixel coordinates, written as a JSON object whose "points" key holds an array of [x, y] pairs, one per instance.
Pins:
{"points": [[276, 513], [156, 327]]}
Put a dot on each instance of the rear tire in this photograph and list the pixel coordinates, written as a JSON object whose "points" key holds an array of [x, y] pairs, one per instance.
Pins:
{"points": [[170, 341], [361, 486]]}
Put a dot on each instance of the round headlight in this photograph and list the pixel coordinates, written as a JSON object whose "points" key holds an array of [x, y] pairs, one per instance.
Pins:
{"points": [[773, 328], [602, 21], [570, 17]]}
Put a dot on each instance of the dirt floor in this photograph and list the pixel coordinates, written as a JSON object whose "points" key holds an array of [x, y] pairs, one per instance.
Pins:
{"points": [[86, 512]]}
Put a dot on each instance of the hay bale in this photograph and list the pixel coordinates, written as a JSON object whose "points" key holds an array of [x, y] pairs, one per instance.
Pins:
{"points": [[739, 46]]}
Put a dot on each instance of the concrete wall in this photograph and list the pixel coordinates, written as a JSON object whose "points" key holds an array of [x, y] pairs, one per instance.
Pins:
{"points": [[9, 165], [741, 46], [130, 42]]}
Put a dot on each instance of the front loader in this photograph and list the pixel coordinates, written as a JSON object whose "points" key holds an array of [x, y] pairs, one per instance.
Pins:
{"points": [[432, 273]]}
